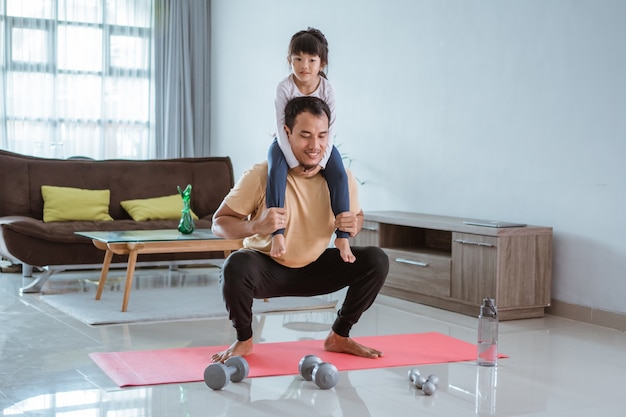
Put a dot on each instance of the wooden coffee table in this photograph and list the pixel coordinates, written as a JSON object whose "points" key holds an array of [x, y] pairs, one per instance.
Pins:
{"points": [[136, 242]]}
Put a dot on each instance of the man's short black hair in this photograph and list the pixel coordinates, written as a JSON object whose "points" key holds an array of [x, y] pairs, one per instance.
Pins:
{"points": [[305, 104]]}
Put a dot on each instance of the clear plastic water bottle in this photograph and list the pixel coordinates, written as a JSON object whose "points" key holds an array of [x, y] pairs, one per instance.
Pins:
{"points": [[488, 333]]}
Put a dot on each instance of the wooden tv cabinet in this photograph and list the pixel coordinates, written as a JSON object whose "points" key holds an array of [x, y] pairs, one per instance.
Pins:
{"points": [[442, 262]]}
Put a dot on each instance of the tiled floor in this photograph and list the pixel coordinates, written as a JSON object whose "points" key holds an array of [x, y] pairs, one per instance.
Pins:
{"points": [[555, 367]]}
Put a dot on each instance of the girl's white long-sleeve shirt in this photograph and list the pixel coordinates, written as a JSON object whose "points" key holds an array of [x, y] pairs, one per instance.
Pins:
{"points": [[285, 91]]}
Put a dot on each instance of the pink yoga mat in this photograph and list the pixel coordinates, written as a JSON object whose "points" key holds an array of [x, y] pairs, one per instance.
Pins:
{"points": [[151, 367]]}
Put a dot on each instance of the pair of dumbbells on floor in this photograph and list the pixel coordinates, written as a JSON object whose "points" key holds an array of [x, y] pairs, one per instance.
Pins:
{"points": [[217, 375], [428, 385]]}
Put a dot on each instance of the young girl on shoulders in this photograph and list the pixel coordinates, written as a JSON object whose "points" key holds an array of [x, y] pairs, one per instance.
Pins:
{"points": [[307, 57]]}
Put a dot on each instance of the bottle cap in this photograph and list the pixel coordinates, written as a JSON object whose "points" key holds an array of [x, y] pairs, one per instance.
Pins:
{"points": [[488, 309]]}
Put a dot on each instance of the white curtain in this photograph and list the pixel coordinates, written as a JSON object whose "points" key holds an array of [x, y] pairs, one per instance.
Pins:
{"points": [[76, 78], [182, 65]]}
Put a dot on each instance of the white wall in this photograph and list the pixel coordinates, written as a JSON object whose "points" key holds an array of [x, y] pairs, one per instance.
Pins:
{"points": [[499, 109]]}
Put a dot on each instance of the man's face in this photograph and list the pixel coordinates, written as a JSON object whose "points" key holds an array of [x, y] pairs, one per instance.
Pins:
{"points": [[309, 138]]}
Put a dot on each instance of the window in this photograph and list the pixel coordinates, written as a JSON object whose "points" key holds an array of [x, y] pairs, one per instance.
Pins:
{"points": [[76, 78]]}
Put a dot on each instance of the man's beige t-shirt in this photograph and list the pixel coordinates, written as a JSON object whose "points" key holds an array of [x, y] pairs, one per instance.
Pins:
{"points": [[310, 219]]}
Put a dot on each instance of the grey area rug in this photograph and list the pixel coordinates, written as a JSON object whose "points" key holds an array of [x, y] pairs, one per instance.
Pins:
{"points": [[166, 304]]}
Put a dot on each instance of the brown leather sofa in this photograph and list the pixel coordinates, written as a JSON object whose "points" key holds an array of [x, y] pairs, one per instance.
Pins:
{"points": [[54, 246]]}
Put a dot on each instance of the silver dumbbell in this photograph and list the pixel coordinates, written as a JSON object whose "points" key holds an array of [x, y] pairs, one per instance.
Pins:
{"points": [[427, 385], [218, 375], [416, 378], [325, 375]]}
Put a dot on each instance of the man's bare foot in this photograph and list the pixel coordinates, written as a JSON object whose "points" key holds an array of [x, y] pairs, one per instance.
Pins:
{"points": [[236, 349], [278, 245], [340, 344], [343, 244]]}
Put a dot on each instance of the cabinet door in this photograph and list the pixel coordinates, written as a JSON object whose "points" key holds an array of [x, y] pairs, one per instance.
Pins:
{"points": [[474, 267]]}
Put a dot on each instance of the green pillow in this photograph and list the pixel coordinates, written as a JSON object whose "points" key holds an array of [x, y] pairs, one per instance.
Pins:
{"points": [[157, 208], [63, 204]]}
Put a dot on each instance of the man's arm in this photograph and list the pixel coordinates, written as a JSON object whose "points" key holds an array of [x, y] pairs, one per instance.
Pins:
{"points": [[229, 224], [360, 220]]}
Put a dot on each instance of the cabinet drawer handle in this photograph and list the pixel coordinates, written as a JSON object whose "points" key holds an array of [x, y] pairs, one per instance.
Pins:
{"points": [[370, 228], [410, 262], [469, 242]]}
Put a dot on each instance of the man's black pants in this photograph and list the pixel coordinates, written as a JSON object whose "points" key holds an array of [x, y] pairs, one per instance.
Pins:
{"points": [[249, 274]]}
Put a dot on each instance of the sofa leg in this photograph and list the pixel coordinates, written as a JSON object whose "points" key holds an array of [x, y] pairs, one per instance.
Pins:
{"points": [[27, 270], [37, 284]]}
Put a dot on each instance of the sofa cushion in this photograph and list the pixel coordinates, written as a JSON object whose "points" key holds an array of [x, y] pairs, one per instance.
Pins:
{"points": [[63, 204], [157, 208]]}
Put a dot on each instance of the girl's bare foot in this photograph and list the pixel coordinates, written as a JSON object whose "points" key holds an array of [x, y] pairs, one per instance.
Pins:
{"points": [[236, 349], [278, 245], [340, 344], [343, 244]]}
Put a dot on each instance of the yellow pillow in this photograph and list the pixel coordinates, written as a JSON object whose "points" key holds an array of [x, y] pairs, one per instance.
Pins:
{"points": [[62, 204], [158, 208]]}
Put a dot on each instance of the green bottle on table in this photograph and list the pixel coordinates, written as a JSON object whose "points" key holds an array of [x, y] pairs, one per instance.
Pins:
{"points": [[186, 225]]}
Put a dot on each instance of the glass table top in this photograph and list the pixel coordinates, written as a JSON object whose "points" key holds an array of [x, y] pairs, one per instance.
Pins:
{"points": [[165, 235]]}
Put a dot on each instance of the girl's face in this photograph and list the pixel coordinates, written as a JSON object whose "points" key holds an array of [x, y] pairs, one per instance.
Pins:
{"points": [[305, 67]]}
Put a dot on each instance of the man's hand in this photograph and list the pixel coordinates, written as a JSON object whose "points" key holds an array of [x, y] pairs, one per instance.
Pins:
{"points": [[347, 222], [300, 171], [270, 220], [229, 224]]}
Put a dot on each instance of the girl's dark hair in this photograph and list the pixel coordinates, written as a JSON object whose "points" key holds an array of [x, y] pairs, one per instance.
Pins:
{"points": [[311, 41]]}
